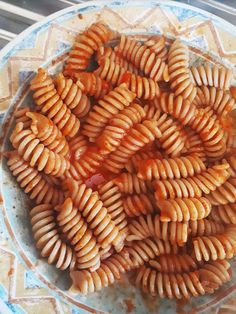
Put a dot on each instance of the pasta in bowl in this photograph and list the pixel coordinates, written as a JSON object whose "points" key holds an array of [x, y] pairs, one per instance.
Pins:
{"points": [[127, 157]]}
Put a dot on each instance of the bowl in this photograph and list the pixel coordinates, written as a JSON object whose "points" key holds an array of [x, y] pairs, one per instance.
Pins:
{"points": [[46, 44]]}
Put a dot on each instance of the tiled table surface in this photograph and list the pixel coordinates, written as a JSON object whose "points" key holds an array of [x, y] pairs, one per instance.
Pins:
{"points": [[13, 21]]}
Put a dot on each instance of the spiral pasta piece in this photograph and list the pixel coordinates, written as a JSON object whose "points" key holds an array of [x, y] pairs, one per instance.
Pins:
{"points": [[151, 225], [181, 109], [89, 163], [145, 88], [32, 181], [93, 85], [214, 273], [95, 214], [220, 101], [48, 239], [225, 214], [78, 146], [231, 160], [143, 58], [172, 140], [111, 104], [110, 270], [205, 182], [30, 148], [147, 249], [218, 246], [20, 116], [118, 127], [72, 95], [171, 263], [136, 205], [140, 135], [130, 184], [157, 44], [174, 136], [132, 164], [107, 52], [179, 167], [48, 133], [211, 76], [224, 194], [205, 227], [194, 283], [195, 144], [51, 105], [111, 197], [72, 224], [85, 45], [184, 209], [178, 67]]}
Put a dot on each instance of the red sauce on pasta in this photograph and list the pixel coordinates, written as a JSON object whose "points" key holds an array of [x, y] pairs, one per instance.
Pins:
{"points": [[126, 77], [143, 166], [159, 194]]}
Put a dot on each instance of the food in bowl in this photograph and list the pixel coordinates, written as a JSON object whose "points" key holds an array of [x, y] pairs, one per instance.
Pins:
{"points": [[128, 157]]}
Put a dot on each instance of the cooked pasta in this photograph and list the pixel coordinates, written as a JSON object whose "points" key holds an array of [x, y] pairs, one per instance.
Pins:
{"points": [[48, 133], [138, 204], [109, 271], [118, 127], [95, 214], [210, 132], [85, 45], [108, 52], [51, 105], [205, 182], [32, 181], [143, 58], [183, 285], [130, 184], [178, 67], [157, 44], [171, 263], [182, 110], [151, 225], [30, 148], [218, 246], [205, 227], [78, 146], [184, 209], [225, 214], [20, 116], [144, 250], [195, 144], [75, 228], [89, 163], [115, 74], [220, 101], [224, 194], [140, 135], [111, 104], [211, 76], [72, 95], [179, 167], [148, 182], [111, 197], [93, 84], [48, 240], [172, 140], [132, 165]]}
